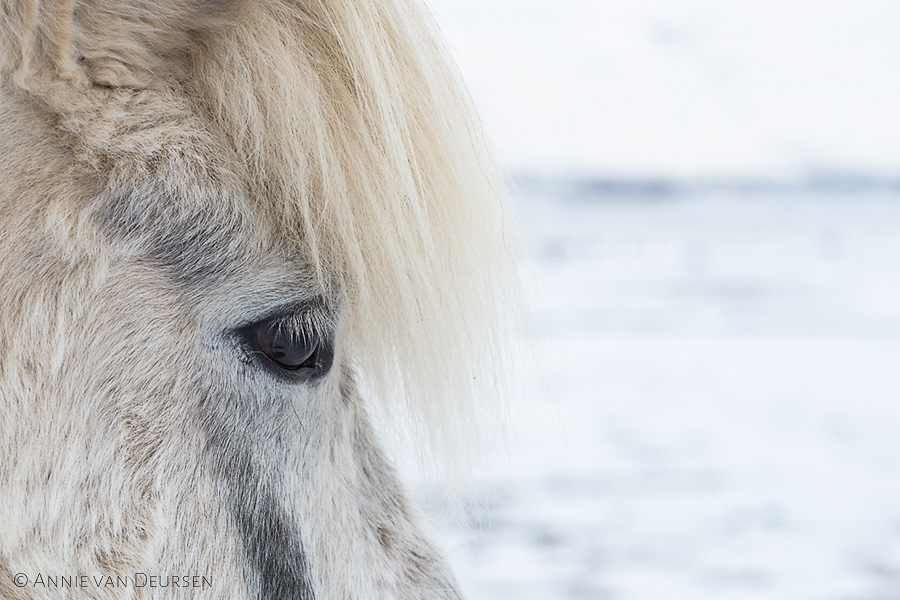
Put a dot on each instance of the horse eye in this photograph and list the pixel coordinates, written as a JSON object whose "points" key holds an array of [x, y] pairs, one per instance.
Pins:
{"points": [[288, 349]]}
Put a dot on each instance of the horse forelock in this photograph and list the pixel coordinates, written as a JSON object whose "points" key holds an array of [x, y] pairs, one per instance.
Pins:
{"points": [[361, 142]]}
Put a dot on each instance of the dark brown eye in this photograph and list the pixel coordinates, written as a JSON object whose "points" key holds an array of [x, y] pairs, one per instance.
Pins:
{"points": [[287, 349]]}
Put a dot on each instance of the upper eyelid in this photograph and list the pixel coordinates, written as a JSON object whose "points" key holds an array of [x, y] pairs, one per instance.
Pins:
{"points": [[310, 316]]}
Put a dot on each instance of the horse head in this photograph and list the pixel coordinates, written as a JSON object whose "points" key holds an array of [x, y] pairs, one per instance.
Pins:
{"points": [[221, 220]]}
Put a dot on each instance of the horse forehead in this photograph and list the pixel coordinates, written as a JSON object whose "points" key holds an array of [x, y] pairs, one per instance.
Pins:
{"points": [[193, 214], [175, 194], [197, 242]]}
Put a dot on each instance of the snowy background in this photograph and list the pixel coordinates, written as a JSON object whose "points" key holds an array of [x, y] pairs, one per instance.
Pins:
{"points": [[710, 195]]}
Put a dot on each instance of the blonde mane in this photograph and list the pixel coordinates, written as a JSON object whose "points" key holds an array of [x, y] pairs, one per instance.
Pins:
{"points": [[360, 142]]}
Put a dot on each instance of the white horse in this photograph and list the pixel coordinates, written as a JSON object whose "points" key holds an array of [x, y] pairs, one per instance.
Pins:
{"points": [[219, 220]]}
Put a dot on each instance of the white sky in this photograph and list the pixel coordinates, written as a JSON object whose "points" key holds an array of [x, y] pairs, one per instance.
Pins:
{"points": [[684, 88]]}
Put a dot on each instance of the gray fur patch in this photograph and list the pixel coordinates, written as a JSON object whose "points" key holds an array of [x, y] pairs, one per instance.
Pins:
{"points": [[197, 247], [272, 545]]}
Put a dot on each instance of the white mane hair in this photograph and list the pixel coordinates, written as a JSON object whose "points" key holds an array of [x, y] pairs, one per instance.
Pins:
{"points": [[359, 139]]}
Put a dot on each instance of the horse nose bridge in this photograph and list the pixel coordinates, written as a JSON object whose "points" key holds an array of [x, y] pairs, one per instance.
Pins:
{"points": [[274, 553]]}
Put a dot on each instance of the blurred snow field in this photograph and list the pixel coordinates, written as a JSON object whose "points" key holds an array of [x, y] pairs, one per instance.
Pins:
{"points": [[718, 413], [710, 195]]}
